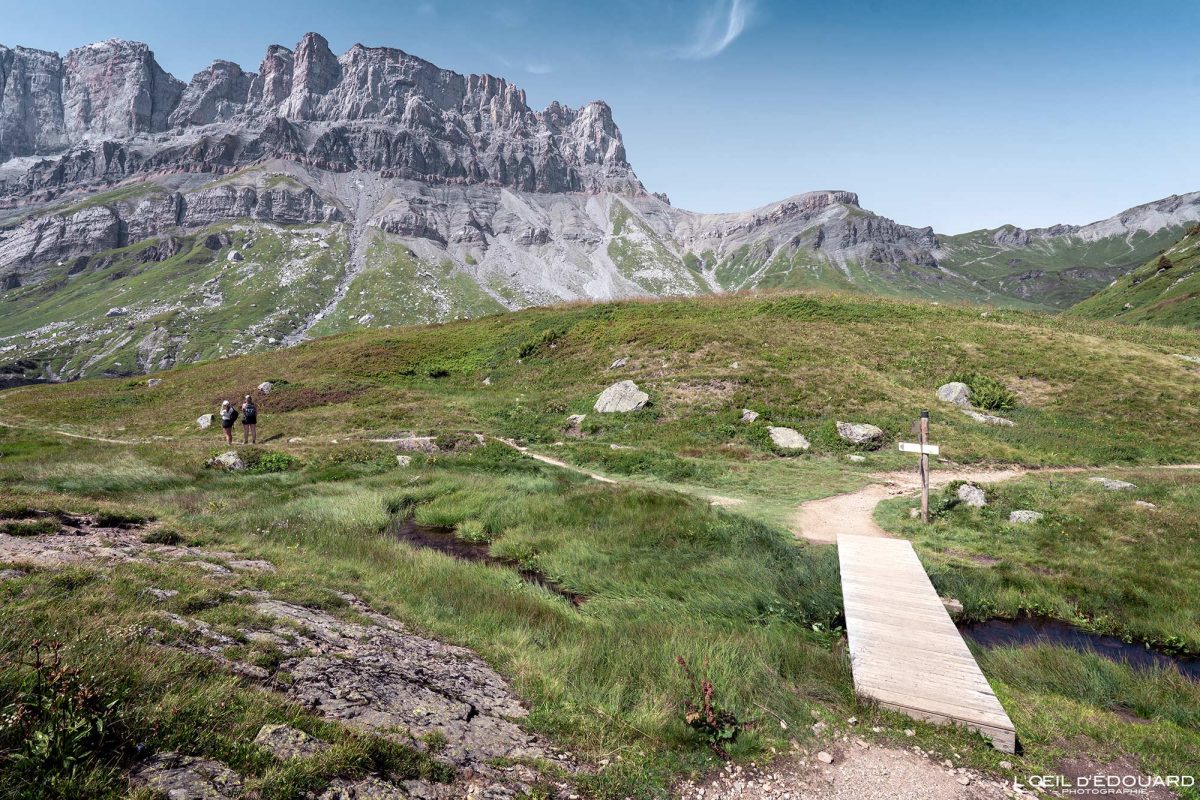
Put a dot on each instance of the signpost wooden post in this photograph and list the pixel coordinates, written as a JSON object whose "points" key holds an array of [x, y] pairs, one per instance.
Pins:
{"points": [[926, 450]]}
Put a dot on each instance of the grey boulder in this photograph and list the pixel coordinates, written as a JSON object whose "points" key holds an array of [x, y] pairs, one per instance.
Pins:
{"points": [[286, 742], [971, 495], [1024, 516], [955, 392], [860, 433], [621, 397], [204, 421], [265, 387], [748, 415], [787, 438], [228, 461]]}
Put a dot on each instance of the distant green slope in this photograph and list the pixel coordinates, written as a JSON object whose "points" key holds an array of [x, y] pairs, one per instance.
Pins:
{"points": [[1163, 291], [1051, 272]]}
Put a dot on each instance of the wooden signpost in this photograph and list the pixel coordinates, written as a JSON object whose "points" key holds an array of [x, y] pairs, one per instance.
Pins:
{"points": [[926, 450]]}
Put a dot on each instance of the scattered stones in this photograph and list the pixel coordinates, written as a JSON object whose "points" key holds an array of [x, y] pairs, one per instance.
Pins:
{"points": [[286, 742], [161, 594], [856, 458], [860, 433], [964, 780], [952, 604], [620, 362], [1113, 485], [181, 777], [1193, 359], [119, 311], [234, 256], [1144, 504], [787, 438], [265, 387], [988, 419], [152, 382], [574, 425], [228, 460], [1024, 516], [205, 421], [909, 732], [1005, 765], [971, 495], [296, 440], [824, 757], [955, 392], [369, 788], [403, 461], [621, 397], [487, 381], [748, 415], [735, 365]]}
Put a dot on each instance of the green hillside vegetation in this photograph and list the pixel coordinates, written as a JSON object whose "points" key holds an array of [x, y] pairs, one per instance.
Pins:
{"points": [[1163, 291], [665, 573], [1053, 273]]}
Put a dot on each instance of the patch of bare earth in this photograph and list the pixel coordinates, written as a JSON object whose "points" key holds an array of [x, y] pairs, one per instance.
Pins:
{"points": [[856, 771], [1119, 778]]}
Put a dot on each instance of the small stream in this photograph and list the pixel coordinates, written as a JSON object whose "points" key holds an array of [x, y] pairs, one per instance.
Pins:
{"points": [[1026, 631], [444, 540]]}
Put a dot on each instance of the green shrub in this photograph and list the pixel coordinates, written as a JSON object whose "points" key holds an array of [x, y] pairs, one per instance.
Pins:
{"points": [[120, 519], [57, 727], [260, 463], [987, 392], [29, 527], [164, 536]]}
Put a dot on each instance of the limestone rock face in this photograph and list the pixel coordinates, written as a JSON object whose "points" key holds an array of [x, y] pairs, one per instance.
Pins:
{"points": [[860, 433], [955, 392], [621, 397], [115, 89], [788, 438]]}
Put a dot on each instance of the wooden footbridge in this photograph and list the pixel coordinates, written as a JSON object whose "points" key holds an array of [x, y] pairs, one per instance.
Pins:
{"points": [[905, 651]]}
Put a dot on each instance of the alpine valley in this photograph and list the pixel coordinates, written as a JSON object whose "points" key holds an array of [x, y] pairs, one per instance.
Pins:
{"points": [[147, 223]]}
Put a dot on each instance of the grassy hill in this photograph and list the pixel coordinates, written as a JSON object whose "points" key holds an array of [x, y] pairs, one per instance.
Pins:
{"points": [[665, 572], [1163, 291]]}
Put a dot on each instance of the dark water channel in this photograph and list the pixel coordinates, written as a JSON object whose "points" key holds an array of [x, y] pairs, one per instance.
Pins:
{"points": [[443, 540], [1025, 631]]}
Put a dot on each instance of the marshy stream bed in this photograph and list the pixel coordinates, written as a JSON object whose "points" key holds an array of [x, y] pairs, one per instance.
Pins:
{"points": [[444, 540], [1029, 630]]}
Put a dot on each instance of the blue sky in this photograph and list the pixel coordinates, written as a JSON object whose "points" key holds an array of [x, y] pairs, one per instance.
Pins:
{"points": [[958, 114]]}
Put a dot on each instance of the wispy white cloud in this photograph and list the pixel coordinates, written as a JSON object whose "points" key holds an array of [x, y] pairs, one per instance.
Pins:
{"points": [[718, 26], [539, 68]]}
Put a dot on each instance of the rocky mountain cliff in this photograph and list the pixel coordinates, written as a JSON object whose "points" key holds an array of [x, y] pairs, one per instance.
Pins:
{"points": [[145, 222]]}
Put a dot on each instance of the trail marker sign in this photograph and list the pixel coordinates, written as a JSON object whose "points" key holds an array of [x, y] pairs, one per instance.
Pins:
{"points": [[926, 450]]}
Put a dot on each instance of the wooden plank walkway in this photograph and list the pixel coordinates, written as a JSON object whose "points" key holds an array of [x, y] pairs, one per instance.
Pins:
{"points": [[904, 648]]}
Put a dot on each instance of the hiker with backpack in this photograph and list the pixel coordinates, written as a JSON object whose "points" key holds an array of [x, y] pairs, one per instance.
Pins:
{"points": [[249, 421], [229, 415]]}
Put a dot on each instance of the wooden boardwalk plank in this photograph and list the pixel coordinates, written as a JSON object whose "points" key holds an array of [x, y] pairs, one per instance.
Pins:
{"points": [[904, 649]]}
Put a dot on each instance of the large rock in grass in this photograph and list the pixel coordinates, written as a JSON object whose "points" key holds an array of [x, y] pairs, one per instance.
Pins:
{"points": [[787, 438], [1113, 485], [265, 387], [748, 415], [286, 742], [860, 433], [971, 495], [230, 461], [955, 392], [1025, 516], [621, 397], [205, 421]]}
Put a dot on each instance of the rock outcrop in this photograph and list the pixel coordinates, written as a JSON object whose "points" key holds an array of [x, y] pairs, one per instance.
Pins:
{"points": [[374, 108], [621, 397], [788, 438]]}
